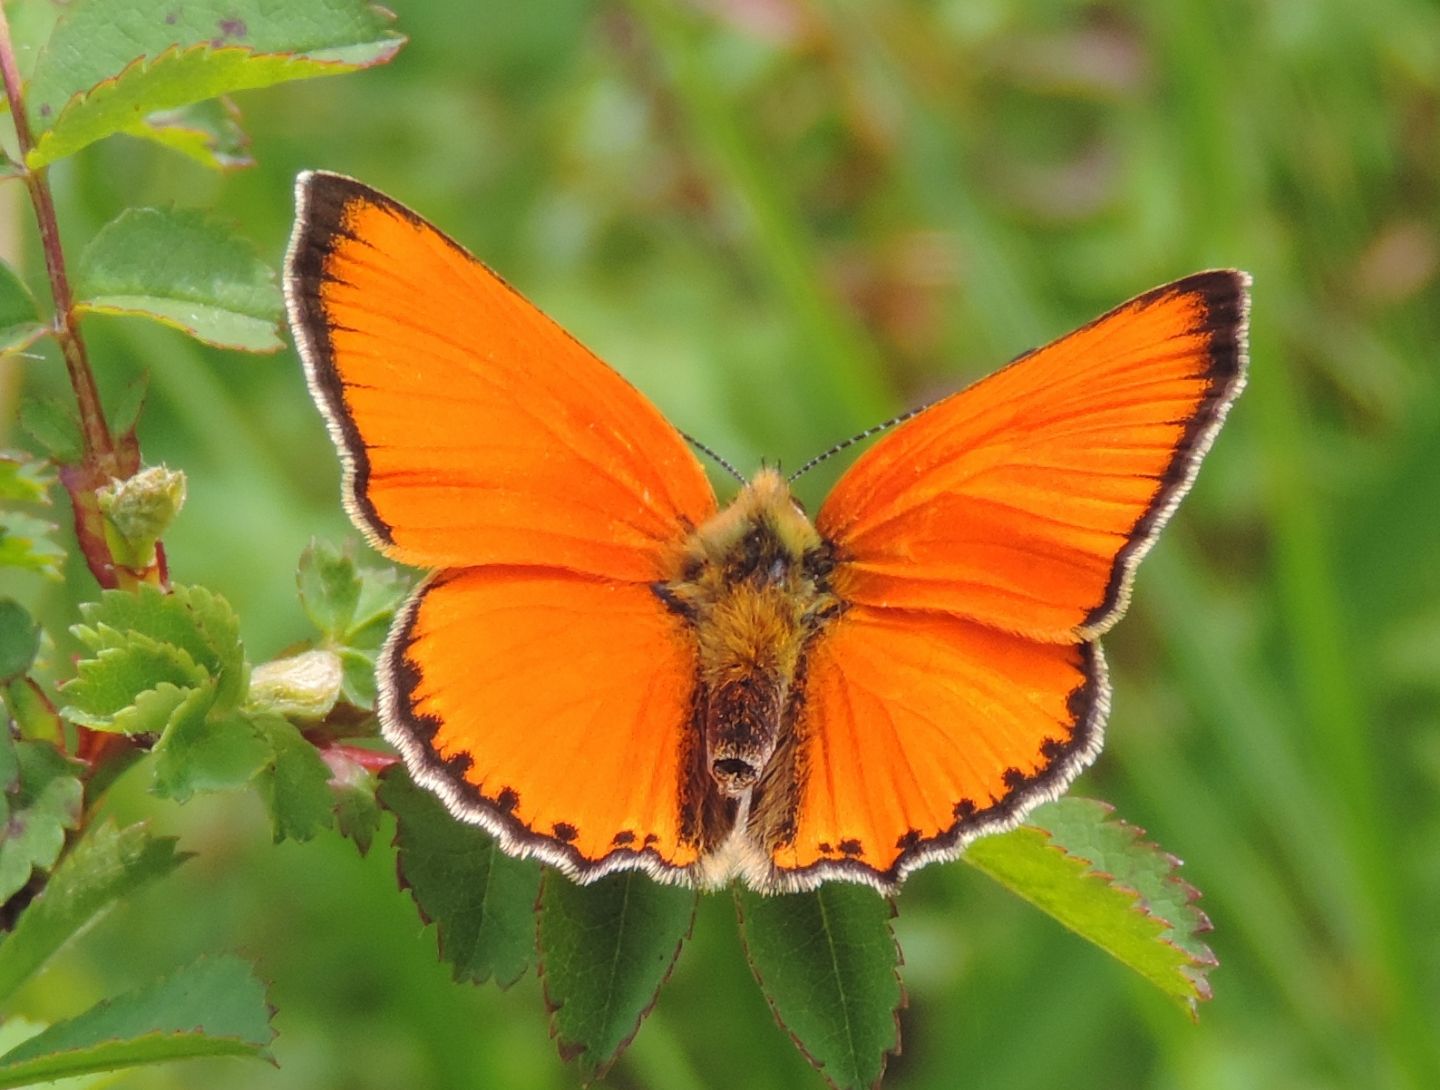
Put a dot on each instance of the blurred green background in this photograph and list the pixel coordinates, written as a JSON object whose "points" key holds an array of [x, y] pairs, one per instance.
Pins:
{"points": [[785, 220]]}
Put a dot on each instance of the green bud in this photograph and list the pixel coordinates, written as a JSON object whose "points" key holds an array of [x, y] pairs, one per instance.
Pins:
{"points": [[303, 686], [138, 511]]}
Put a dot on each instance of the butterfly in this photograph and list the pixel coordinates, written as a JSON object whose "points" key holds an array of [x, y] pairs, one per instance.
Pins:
{"points": [[606, 669]]}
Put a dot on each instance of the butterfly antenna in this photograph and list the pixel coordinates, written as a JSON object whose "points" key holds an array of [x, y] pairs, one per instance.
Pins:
{"points": [[719, 461], [866, 434]]}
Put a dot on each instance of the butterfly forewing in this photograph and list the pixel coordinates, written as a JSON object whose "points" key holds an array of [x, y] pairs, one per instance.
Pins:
{"points": [[475, 430], [1025, 501]]}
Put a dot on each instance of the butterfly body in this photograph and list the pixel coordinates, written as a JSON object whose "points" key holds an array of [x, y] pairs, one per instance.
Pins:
{"points": [[607, 670]]}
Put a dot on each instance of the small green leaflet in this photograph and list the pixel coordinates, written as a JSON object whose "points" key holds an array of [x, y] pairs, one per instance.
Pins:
{"points": [[39, 800], [208, 132], [185, 269], [605, 950], [106, 865], [110, 65], [481, 901], [295, 783], [1099, 878], [829, 967], [20, 323], [19, 640], [214, 1007]]}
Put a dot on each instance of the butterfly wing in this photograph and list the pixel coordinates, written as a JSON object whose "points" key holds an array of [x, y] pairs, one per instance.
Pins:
{"points": [[536, 683], [474, 429], [981, 549], [552, 708], [1026, 501]]}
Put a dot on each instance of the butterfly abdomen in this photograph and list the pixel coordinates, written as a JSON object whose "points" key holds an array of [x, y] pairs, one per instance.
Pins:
{"points": [[752, 584]]}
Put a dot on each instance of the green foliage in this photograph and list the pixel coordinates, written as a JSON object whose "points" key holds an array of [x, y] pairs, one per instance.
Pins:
{"points": [[1102, 881], [215, 1007], [108, 865], [480, 900], [188, 639], [829, 967], [40, 799], [26, 540], [605, 950], [19, 317], [294, 782], [108, 67], [351, 607], [19, 640], [186, 269]]}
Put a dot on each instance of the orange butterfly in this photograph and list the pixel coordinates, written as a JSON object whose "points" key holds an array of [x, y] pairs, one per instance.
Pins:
{"points": [[607, 671]]}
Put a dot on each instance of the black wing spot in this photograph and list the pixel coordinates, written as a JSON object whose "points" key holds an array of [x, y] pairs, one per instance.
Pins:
{"points": [[1014, 779], [851, 847], [623, 837], [565, 831], [965, 809], [908, 840], [507, 800], [458, 764], [651, 838]]}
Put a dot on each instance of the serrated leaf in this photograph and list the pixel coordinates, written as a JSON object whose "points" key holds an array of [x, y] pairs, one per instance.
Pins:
{"points": [[23, 479], [357, 811], [605, 950], [25, 543], [185, 269], [481, 901], [1071, 874], [215, 1007], [43, 796], [34, 715], [329, 587], [192, 619], [208, 132], [200, 751], [106, 865], [829, 967], [116, 677], [20, 323], [295, 784], [109, 66], [19, 639]]}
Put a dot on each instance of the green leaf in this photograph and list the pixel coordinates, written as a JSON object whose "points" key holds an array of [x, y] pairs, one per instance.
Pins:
{"points": [[19, 640], [329, 587], [110, 66], [215, 1007], [208, 132], [828, 965], [42, 799], [53, 425], [20, 323], [200, 751], [1101, 880], [106, 865], [116, 678], [605, 950], [185, 269], [381, 592], [192, 619], [357, 812], [481, 901], [295, 784], [23, 479], [25, 543], [357, 678]]}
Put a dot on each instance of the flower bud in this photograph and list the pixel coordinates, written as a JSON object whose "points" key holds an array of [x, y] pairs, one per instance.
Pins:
{"points": [[303, 686]]}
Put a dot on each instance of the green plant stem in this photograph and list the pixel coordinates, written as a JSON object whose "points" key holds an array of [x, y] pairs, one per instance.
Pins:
{"points": [[100, 449]]}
